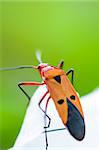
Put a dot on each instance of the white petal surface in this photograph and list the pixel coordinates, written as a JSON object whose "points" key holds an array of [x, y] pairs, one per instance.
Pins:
{"points": [[32, 138], [33, 123]]}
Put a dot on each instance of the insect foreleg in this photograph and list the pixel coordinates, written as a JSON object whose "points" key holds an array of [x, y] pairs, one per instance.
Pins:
{"points": [[24, 92], [28, 84], [71, 71]]}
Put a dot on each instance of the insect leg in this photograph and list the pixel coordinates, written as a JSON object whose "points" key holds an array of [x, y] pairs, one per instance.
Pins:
{"points": [[45, 116], [71, 71], [46, 113], [45, 107], [28, 84], [60, 65], [45, 122], [53, 130]]}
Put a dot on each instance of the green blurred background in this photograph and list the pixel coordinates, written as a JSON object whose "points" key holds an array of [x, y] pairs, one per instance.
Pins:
{"points": [[61, 30]]}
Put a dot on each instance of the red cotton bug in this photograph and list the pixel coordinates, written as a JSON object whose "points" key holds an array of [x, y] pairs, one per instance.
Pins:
{"points": [[63, 94]]}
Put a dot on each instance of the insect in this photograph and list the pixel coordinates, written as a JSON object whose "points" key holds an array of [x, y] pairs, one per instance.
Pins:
{"points": [[62, 92]]}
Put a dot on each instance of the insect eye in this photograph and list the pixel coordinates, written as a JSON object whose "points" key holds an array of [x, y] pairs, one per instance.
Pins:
{"points": [[72, 97], [38, 67], [58, 79]]}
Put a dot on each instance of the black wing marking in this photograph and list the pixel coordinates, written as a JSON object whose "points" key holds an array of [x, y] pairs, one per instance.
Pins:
{"points": [[75, 123], [58, 78]]}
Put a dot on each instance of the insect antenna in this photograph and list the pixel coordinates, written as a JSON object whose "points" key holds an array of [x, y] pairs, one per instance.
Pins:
{"points": [[14, 68], [38, 56]]}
